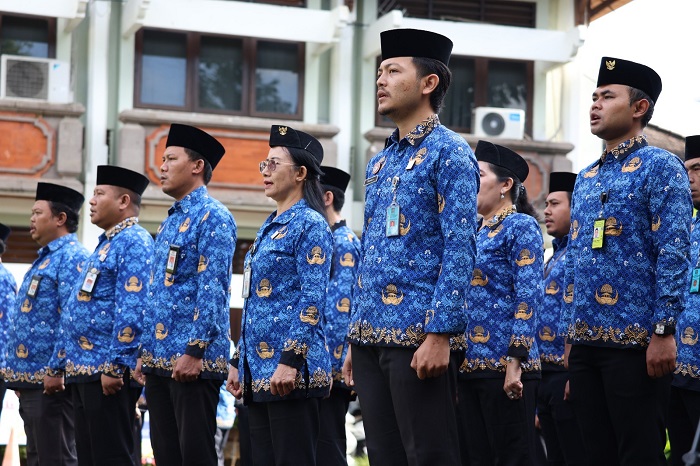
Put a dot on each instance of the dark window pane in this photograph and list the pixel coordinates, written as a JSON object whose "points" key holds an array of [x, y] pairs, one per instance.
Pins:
{"points": [[24, 36], [221, 73], [164, 68], [507, 85], [459, 101], [277, 78]]}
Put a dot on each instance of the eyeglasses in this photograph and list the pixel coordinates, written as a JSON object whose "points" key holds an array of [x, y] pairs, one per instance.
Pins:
{"points": [[272, 165]]}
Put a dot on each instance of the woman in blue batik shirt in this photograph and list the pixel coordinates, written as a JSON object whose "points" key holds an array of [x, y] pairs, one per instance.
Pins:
{"points": [[498, 378], [282, 367]]}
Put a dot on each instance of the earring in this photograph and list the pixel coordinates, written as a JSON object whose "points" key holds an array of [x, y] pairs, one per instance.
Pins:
{"points": [[502, 195]]}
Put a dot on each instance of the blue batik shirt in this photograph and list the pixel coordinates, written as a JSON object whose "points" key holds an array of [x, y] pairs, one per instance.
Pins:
{"points": [[505, 297], [414, 283], [550, 341], [101, 330], [687, 374], [189, 307], [8, 291], [617, 293], [346, 258], [34, 321], [290, 264]]}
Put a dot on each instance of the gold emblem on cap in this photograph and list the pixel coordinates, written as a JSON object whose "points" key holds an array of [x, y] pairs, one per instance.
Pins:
{"points": [[282, 130], [610, 64]]}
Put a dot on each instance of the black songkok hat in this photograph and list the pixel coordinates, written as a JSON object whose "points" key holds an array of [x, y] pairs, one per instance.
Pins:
{"points": [[288, 137], [122, 177], [4, 232], [562, 181], [415, 43], [57, 193], [197, 140], [629, 73], [335, 177], [692, 147], [502, 157]]}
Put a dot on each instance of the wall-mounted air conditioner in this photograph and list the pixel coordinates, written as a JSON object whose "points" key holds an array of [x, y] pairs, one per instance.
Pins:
{"points": [[35, 79], [507, 123]]}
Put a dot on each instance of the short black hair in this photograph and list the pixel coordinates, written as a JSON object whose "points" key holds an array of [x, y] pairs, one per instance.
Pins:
{"points": [[426, 66], [194, 156], [72, 217], [133, 195], [338, 197], [635, 95]]}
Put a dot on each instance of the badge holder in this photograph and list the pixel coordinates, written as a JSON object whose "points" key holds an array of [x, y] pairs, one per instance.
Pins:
{"points": [[34, 286], [173, 258], [695, 281], [598, 233], [393, 213]]}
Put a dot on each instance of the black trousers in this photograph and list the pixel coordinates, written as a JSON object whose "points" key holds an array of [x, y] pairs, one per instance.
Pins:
{"points": [[104, 425], [495, 430], [683, 418], [407, 421], [244, 434], [48, 423], [182, 420], [620, 409], [332, 444], [284, 433], [560, 430]]}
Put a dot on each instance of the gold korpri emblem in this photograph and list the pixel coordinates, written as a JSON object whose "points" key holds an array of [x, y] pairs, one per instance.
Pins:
{"points": [[22, 352], [552, 288], [282, 130], [592, 172], [574, 229], [689, 337], [338, 351], [656, 224], [479, 335], [440, 203], [83, 296], [204, 219], [479, 278], [264, 351], [26, 305], [495, 231], [202, 265], [403, 226], [613, 227], [44, 264], [546, 334], [569, 294], [310, 315], [264, 289], [105, 249], [343, 305], [391, 295], [133, 285], [418, 158], [85, 343], [184, 226], [525, 258], [161, 331], [632, 165], [522, 313], [610, 64], [606, 295], [126, 335], [317, 256], [281, 233], [347, 260]]}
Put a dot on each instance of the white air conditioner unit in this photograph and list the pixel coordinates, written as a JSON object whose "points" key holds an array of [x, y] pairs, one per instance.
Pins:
{"points": [[507, 123], [35, 79]]}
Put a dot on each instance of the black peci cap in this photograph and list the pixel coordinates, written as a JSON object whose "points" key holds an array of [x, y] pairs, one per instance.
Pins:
{"points": [[692, 147], [415, 43], [4, 232], [502, 157], [562, 181], [197, 140], [335, 177], [629, 73], [57, 193], [122, 177], [288, 137]]}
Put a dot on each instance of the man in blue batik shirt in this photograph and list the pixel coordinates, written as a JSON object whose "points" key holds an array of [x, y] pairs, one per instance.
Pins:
{"points": [[8, 291], [626, 274], [45, 402], [332, 443], [418, 247], [185, 344], [684, 405], [101, 326]]}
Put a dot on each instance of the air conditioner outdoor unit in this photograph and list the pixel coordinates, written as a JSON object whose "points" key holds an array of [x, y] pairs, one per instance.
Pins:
{"points": [[507, 123], [35, 78]]}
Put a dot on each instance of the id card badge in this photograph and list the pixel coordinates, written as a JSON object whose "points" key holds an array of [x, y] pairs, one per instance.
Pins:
{"points": [[598, 233], [246, 282], [392, 220], [173, 255], [695, 281], [90, 280], [34, 286]]}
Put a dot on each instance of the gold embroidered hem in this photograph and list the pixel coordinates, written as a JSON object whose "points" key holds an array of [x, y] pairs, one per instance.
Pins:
{"points": [[557, 359], [55, 373], [293, 345], [199, 343], [633, 335], [365, 334], [24, 377], [686, 369], [113, 370], [220, 365], [471, 366], [319, 379]]}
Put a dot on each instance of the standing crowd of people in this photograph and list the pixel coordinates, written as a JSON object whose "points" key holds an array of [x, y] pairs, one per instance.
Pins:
{"points": [[463, 345]]}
